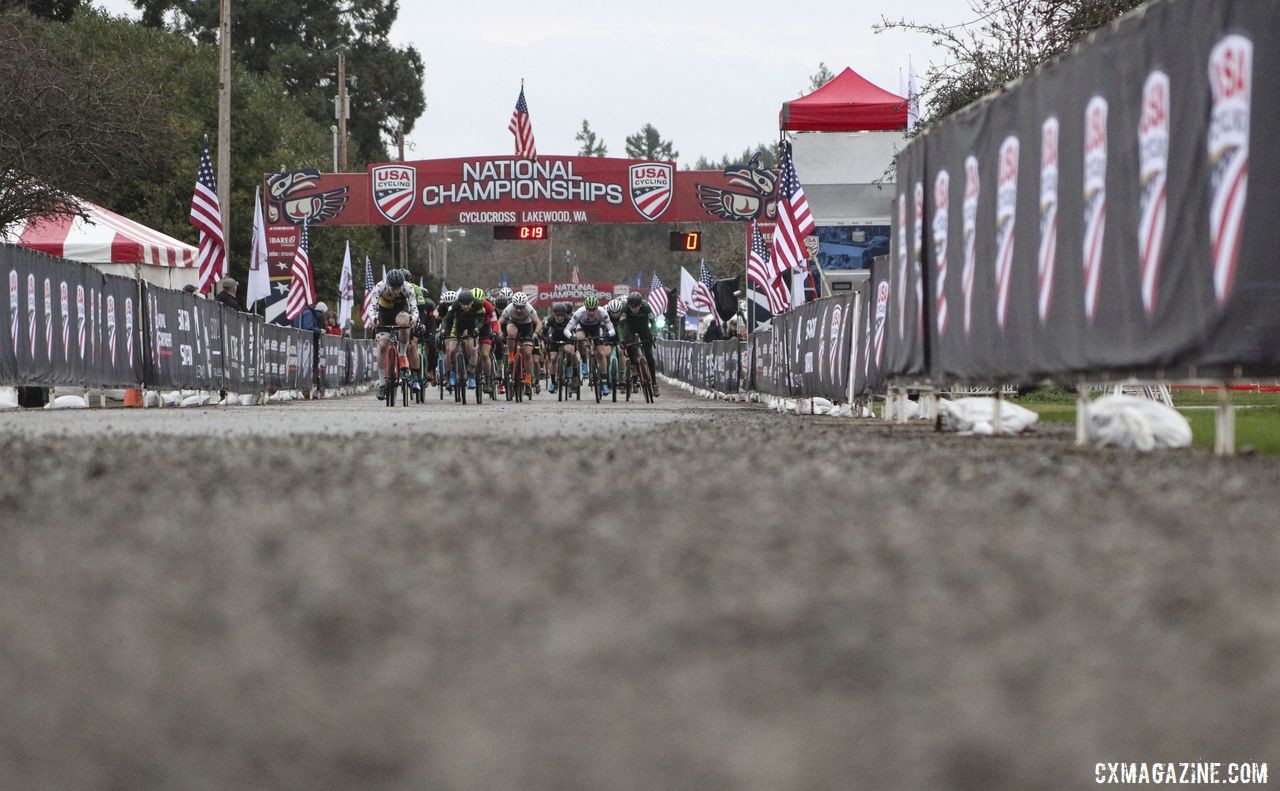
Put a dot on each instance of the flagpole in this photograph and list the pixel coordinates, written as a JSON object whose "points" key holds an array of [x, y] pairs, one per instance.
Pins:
{"points": [[224, 127]]}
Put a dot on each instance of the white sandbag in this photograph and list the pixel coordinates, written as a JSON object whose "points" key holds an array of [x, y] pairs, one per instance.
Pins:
{"points": [[978, 415], [150, 399], [911, 408], [8, 398], [171, 398], [69, 402], [248, 399], [1122, 421], [195, 399]]}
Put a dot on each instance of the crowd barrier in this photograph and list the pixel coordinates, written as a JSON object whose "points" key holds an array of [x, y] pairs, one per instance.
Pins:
{"points": [[1109, 217], [806, 352], [71, 325], [717, 365]]}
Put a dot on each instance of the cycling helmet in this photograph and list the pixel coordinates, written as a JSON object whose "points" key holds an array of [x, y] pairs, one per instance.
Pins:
{"points": [[560, 308], [395, 279], [504, 293], [591, 303], [449, 297], [478, 293], [501, 302], [520, 299], [466, 298], [428, 306], [634, 299], [615, 306]]}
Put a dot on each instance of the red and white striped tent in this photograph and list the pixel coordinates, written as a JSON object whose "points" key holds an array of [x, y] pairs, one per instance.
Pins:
{"points": [[111, 243]]}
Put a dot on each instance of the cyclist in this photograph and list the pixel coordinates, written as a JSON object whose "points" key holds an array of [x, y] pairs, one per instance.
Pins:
{"points": [[637, 321], [447, 298], [500, 299], [592, 322], [520, 324], [553, 335], [470, 316], [397, 306], [427, 327]]}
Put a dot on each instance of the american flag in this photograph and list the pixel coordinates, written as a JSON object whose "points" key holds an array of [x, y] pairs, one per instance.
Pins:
{"points": [[522, 129], [206, 216], [702, 295], [368, 287], [759, 271], [657, 296], [795, 220], [682, 307], [577, 274], [301, 291]]}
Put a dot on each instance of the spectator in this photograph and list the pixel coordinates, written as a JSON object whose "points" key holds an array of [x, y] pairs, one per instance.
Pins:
{"points": [[189, 289], [331, 325], [312, 319], [227, 288], [714, 332]]}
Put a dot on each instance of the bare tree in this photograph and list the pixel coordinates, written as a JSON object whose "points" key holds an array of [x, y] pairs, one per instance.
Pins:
{"points": [[1003, 41], [65, 129]]}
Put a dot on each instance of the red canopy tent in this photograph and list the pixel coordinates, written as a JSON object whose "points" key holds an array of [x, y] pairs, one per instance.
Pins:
{"points": [[848, 103], [104, 237]]}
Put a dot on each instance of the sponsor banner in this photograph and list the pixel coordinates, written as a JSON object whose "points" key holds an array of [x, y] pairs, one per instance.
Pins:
{"points": [[807, 351], [873, 301], [505, 190], [66, 323], [711, 366], [1108, 216], [333, 361], [544, 294]]}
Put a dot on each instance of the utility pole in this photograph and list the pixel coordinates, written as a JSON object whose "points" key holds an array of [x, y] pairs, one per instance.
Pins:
{"points": [[224, 115], [342, 109], [404, 247], [444, 253]]}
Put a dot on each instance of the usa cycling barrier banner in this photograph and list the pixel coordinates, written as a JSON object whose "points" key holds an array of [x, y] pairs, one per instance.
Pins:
{"points": [[711, 366], [875, 298], [362, 354], [1111, 215], [241, 339], [807, 350], [333, 361], [68, 324]]}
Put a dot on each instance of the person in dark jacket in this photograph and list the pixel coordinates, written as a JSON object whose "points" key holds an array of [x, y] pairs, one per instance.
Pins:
{"points": [[227, 288], [713, 333], [312, 319]]}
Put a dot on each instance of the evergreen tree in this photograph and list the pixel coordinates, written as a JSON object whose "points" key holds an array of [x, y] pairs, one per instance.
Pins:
{"points": [[648, 144], [591, 146], [820, 78]]}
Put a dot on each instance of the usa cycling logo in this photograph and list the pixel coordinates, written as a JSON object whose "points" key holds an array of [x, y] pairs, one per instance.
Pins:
{"points": [[80, 318], [394, 190], [66, 321], [128, 328], [918, 257], [941, 205], [1153, 157], [1230, 82], [882, 308], [1095, 199], [31, 313], [651, 188], [111, 328], [48, 319], [13, 310], [902, 265], [1048, 213], [1006, 211], [972, 186]]}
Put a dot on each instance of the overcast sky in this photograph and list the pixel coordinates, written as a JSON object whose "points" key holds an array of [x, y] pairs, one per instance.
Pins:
{"points": [[711, 76]]}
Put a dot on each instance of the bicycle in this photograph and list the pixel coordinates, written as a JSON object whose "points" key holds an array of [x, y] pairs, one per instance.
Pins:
{"points": [[395, 378], [637, 359], [613, 372]]}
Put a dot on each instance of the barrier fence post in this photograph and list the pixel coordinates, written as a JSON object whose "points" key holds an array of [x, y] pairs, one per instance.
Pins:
{"points": [[1224, 434], [1082, 413], [996, 423]]}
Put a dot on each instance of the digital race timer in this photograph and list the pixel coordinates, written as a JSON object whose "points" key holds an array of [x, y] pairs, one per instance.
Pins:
{"points": [[520, 233], [686, 241]]}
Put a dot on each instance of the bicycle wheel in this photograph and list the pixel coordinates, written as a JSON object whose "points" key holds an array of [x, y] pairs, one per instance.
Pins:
{"points": [[626, 376], [613, 374], [646, 380], [460, 377], [389, 366], [516, 382], [404, 391]]}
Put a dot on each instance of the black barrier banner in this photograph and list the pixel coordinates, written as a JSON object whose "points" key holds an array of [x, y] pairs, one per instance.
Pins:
{"points": [[807, 350], [1110, 215], [711, 366], [175, 359], [207, 316], [68, 324], [333, 361], [877, 319]]}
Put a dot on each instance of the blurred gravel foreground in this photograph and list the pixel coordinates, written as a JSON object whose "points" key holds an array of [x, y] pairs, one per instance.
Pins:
{"points": [[689, 595]]}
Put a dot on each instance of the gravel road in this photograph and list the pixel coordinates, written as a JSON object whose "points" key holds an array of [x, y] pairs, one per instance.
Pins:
{"points": [[334, 595]]}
